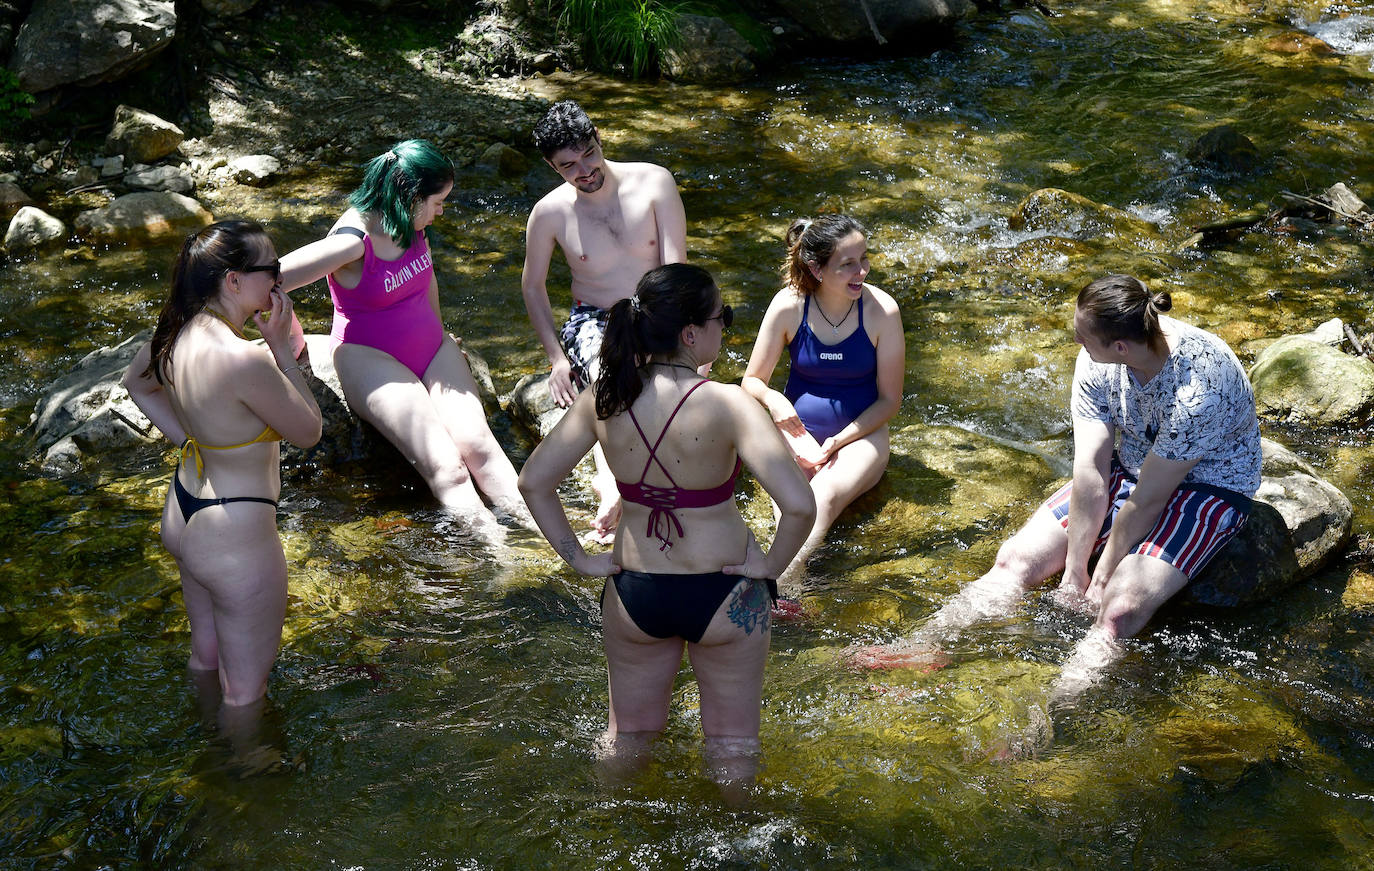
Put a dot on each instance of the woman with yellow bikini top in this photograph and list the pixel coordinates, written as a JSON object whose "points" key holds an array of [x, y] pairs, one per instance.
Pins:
{"points": [[227, 402]]}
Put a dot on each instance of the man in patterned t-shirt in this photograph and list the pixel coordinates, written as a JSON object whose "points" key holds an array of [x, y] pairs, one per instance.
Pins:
{"points": [[1155, 508]]}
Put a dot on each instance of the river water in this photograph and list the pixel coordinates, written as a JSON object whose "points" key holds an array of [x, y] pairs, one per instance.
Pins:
{"points": [[435, 708]]}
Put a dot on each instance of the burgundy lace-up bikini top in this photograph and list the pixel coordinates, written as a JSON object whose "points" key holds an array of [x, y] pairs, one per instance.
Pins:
{"points": [[665, 500]]}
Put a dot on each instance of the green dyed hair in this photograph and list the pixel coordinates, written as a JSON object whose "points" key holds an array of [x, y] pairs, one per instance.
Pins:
{"points": [[397, 179]]}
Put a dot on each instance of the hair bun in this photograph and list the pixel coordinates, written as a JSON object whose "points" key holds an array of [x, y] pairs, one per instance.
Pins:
{"points": [[796, 231], [1162, 301]]}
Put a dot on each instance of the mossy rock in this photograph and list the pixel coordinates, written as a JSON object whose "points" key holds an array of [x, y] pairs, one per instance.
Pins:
{"points": [[1298, 380]]}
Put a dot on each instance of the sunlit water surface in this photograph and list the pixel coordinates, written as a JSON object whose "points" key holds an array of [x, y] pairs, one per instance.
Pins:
{"points": [[435, 708]]}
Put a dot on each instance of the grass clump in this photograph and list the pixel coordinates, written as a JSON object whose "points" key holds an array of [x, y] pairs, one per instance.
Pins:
{"points": [[628, 35]]}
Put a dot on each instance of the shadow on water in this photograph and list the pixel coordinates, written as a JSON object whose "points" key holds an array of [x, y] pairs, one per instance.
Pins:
{"points": [[435, 705]]}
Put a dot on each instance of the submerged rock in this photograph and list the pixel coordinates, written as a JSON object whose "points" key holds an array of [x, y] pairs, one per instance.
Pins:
{"points": [[710, 51], [1297, 42], [1225, 150], [1063, 213], [141, 218], [1299, 380]]}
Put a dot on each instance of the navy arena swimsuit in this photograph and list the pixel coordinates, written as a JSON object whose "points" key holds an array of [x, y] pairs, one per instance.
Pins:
{"points": [[830, 385]]}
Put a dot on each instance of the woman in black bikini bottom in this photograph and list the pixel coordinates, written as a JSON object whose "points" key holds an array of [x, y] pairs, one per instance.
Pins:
{"points": [[694, 577], [199, 378]]}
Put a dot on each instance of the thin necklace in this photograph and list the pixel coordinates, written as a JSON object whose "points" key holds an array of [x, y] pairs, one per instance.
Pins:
{"points": [[228, 323], [676, 365], [835, 327]]}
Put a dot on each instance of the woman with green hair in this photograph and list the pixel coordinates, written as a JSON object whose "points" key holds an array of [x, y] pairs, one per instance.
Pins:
{"points": [[399, 368]]}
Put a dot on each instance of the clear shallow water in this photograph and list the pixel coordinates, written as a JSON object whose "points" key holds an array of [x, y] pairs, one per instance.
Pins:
{"points": [[431, 709]]}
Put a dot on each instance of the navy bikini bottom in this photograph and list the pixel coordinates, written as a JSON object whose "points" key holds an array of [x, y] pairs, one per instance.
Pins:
{"points": [[667, 605]]}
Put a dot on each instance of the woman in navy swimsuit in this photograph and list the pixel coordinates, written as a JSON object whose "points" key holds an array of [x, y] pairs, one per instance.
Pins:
{"points": [[848, 354], [693, 575], [227, 402]]}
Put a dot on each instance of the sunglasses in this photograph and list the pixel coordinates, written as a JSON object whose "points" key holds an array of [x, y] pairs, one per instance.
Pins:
{"points": [[726, 317], [274, 267]]}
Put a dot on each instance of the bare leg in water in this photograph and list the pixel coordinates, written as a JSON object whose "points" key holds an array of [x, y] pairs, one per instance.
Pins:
{"points": [[1035, 553], [388, 395]]}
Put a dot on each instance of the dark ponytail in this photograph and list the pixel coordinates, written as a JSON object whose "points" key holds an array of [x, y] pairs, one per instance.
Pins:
{"points": [[650, 322], [205, 257], [1121, 307]]}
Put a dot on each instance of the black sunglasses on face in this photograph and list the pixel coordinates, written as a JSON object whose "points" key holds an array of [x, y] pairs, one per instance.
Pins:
{"points": [[274, 267], [726, 317]]}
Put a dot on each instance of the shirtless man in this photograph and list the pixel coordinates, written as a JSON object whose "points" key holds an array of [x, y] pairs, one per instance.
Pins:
{"points": [[614, 222]]}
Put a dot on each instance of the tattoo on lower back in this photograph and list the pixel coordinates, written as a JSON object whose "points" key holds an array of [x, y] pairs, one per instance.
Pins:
{"points": [[749, 606]]}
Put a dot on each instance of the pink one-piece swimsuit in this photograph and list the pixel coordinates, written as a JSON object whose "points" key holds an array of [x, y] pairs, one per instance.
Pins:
{"points": [[389, 309]]}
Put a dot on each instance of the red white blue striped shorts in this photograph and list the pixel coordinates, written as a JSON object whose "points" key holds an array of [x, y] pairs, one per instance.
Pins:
{"points": [[1196, 522]]}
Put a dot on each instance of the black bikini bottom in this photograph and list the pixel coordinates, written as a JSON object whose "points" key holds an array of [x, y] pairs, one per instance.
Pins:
{"points": [[667, 605], [189, 504]]}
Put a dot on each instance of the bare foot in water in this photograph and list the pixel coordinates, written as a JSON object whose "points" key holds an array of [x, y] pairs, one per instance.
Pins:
{"points": [[923, 657], [1030, 743], [516, 510], [1072, 600], [482, 524], [788, 610]]}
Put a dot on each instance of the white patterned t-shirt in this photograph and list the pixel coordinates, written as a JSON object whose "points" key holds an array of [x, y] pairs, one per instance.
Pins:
{"points": [[1199, 407]]}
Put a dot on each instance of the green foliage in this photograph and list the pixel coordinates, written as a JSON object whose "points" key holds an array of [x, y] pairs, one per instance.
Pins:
{"points": [[14, 100], [629, 32]]}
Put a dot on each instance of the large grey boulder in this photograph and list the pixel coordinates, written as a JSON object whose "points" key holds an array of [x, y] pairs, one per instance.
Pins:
{"points": [[32, 231], [88, 411], [1298, 522], [848, 20], [1299, 380], [142, 137], [710, 52], [86, 416], [142, 218], [86, 42], [530, 405]]}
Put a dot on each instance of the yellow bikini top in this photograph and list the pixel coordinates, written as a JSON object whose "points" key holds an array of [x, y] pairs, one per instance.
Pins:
{"points": [[192, 448]]}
